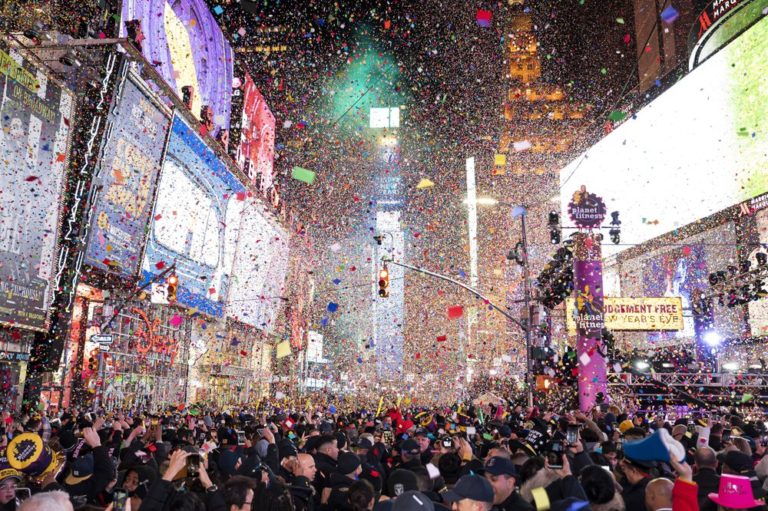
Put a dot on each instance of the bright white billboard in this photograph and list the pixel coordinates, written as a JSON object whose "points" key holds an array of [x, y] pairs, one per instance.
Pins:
{"points": [[260, 265], [699, 148]]}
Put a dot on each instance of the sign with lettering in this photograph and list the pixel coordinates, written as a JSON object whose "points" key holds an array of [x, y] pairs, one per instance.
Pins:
{"points": [[35, 125], [586, 210], [635, 314]]}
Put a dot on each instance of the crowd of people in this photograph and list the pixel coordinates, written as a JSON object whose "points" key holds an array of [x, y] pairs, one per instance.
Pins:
{"points": [[466, 458]]}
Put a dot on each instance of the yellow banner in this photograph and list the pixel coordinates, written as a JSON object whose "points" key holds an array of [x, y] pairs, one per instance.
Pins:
{"points": [[643, 314], [283, 349]]}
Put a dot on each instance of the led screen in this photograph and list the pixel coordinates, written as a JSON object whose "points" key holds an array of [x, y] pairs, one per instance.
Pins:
{"points": [[197, 211], [699, 148], [259, 269], [131, 159], [256, 152], [35, 120]]}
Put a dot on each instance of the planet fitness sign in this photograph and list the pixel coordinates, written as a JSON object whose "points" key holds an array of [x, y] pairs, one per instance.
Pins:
{"points": [[586, 210]]}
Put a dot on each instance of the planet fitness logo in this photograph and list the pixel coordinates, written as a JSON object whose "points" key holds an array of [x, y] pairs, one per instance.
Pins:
{"points": [[586, 210]]}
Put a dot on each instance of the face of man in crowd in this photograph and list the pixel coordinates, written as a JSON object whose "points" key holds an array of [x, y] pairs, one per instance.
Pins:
{"points": [[423, 442], [307, 466], [470, 505], [503, 486]]}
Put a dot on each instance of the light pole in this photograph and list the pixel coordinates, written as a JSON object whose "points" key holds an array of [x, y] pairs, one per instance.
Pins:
{"points": [[522, 212]]}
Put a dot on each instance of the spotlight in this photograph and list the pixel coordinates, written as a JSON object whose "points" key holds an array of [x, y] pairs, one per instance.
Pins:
{"points": [[667, 365], [712, 338], [730, 366], [642, 365]]}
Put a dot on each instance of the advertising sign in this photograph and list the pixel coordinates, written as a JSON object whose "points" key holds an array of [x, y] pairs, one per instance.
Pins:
{"points": [[260, 265], [187, 47], [35, 119], [721, 106], [256, 152], [586, 210], [643, 314], [197, 212], [588, 290], [131, 159]]}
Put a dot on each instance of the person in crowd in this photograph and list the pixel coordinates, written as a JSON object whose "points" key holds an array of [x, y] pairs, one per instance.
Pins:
{"points": [[48, 501], [471, 493], [502, 475], [706, 477]]}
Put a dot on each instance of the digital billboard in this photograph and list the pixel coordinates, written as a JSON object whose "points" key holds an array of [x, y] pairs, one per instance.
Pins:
{"points": [[260, 267], [131, 158], [197, 211], [256, 152], [186, 46], [697, 149], [35, 120]]}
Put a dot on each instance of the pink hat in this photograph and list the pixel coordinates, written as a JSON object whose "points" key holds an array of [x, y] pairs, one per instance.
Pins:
{"points": [[735, 493]]}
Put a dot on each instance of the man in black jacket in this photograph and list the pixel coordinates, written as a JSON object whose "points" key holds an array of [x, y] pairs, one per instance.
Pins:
{"points": [[90, 473], [502, 475], [706, 477], [325, 460], [637, 476], [335, 496]]}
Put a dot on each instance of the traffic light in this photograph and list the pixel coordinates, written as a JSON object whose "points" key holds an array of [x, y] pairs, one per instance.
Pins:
{"points": [[384, 282], [615, 231], [173, 283], [554, 227]]}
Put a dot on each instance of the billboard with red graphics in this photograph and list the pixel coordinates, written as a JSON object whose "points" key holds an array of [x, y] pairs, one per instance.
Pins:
{"points": [[256, 151]]}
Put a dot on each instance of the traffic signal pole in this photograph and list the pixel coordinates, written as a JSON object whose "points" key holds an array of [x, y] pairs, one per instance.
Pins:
{"points": [[498, 309]]}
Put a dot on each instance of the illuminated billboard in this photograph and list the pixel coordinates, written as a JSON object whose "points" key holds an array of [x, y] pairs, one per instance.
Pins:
{"points": [[186, 46], [260, 266], [256, 152], [697, 149], [198, 208], [35, 125], [131, 158]]}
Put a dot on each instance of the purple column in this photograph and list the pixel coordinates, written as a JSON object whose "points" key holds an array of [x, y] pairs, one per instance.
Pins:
{"points": [[588, 292]]}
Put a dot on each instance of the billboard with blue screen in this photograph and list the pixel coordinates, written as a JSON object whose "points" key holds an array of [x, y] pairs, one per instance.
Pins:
{"points": [[197, 212]]}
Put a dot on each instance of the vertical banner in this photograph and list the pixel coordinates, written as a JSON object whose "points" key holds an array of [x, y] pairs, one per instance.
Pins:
{"points": [[588, 289], [35, 119]]}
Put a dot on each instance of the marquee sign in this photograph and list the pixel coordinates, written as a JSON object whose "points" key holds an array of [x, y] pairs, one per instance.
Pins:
{"points": [[635, 314]]}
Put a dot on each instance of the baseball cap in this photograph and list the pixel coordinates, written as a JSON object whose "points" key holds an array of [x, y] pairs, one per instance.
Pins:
{"points": [[411, 447], [499, 465], [82, 469], [739, 462], [348, 462], [471, 487], [413, 501], [421, 432], [401, 481], [364, 443]]}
